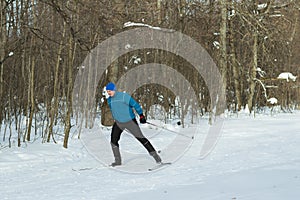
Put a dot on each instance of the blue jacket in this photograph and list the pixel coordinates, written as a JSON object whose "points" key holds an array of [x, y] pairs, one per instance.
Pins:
{"points": [[121, 106]]}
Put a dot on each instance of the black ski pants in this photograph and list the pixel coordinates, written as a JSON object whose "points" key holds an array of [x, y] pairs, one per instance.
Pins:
{"points": [[133, 127]]}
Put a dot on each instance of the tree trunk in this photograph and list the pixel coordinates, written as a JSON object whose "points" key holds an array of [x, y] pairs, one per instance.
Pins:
{"points": [[55, 100], [69, 97], [235, 66], [31, 101], [252, 73], [112, 76], [72, 48], [2, 51], [31, 76], [223, 59]]}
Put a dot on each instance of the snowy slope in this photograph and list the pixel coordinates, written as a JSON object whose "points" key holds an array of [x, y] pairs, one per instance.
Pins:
{"points": [[255, 158]]}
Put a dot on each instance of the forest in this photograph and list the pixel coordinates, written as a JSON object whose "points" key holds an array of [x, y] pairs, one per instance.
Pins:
{"points": [[255, 45]]}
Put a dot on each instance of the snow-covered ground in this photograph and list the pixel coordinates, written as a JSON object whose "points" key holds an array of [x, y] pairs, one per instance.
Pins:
{"points": [[255, 158]]}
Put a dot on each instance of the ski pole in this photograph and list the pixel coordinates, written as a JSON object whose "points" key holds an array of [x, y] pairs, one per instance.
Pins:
{"points": [[170, 130]]}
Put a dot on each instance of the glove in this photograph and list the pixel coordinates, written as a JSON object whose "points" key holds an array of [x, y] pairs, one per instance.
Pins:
{"points": [[142, 119]]}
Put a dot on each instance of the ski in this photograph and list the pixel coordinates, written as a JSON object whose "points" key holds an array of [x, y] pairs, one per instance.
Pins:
{"points": [[160, 165], [87, 168], [82, 169], [156, 167]]}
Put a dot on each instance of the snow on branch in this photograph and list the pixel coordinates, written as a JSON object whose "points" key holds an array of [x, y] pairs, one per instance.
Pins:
{"points": [[261, 72], [287, 76], [263, 86], [134, 24], [272, 100], [131, 24], [262, 6]]}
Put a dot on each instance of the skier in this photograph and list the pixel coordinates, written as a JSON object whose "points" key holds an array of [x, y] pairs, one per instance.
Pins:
{"points": [[121, 106]]}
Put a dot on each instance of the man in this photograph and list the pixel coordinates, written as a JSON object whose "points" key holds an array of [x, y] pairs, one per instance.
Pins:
{"points": [[121, 106]]}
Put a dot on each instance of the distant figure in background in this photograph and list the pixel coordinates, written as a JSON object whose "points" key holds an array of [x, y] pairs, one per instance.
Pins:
{"points": [[121, 106]]}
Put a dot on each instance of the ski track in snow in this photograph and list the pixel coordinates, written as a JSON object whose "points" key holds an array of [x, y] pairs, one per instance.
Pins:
{"points": [[255, 158]]}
